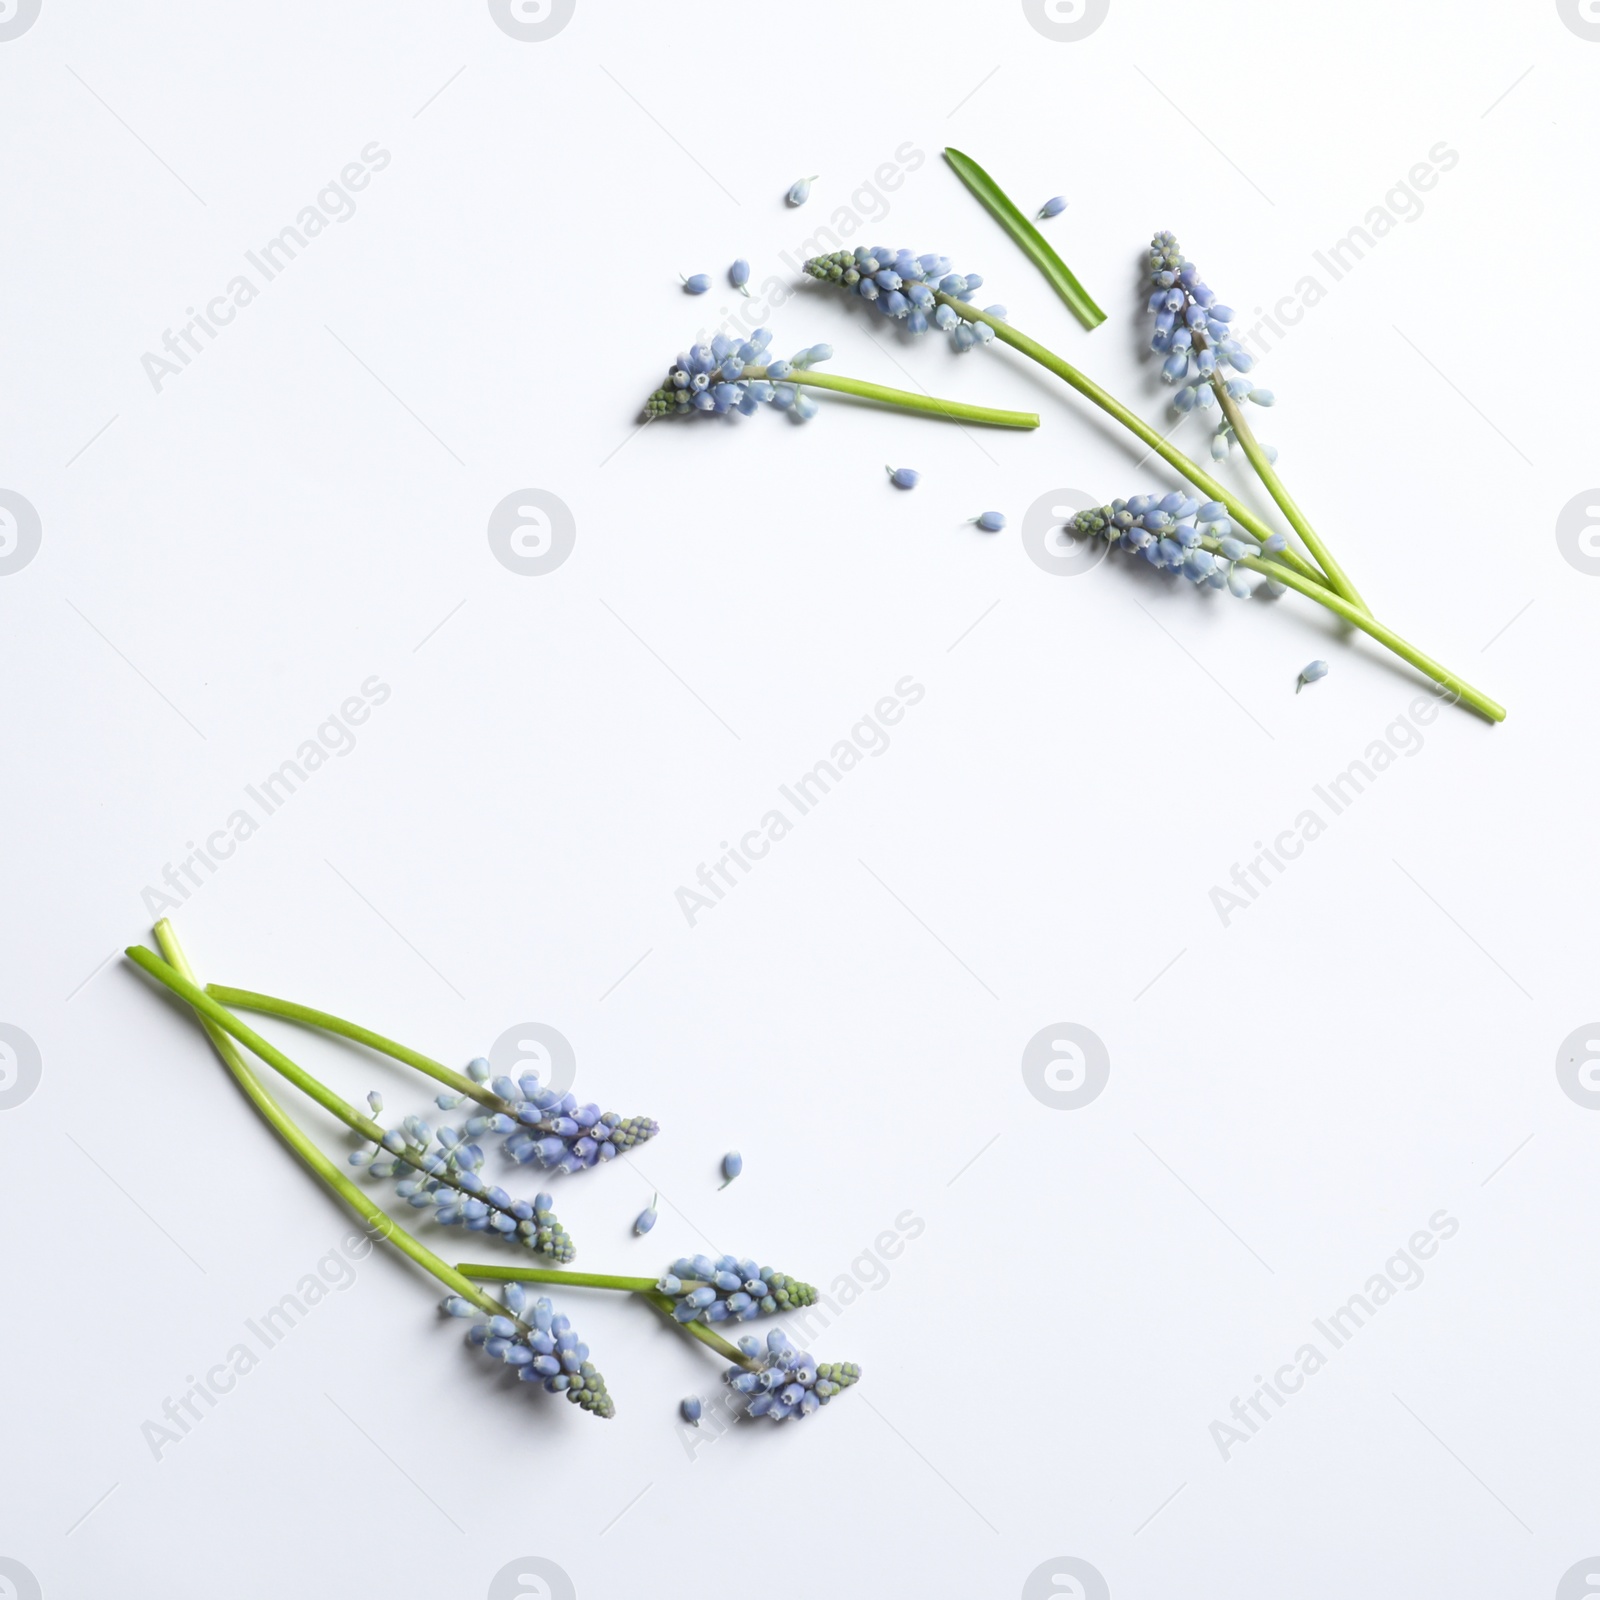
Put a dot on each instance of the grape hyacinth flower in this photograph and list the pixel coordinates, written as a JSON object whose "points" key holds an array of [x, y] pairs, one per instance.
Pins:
{"points": [[905, 286], [443, 1170], [1176, 533], [689, 1409], [552, 1129], [1053, 207], [903, 477], [732, 1166], [646, 1219], [991, 521], [739, 275], [729, 1290], [1195, 334], [790, 1383], [698, 284], [539, 1344], [730, 374], [1310, 673], [800, 190]]}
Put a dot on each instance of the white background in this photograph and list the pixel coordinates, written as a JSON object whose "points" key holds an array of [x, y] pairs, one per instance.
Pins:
{"points": [[1290, 1097]]}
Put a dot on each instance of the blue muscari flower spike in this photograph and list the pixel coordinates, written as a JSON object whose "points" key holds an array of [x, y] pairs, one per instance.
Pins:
{"points": [[1176, 533], [711, 378], [540, 1345], [790, 1383], [903, 286], [1195, 335], [729, 1290], [442, 1170]]}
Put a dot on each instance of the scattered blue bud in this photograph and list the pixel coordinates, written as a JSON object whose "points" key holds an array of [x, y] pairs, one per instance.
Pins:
{"points": [[903, 477], [800, 190], [646, 1219], [739, 274], [732, 1166], [1053, 207], [991, 521], [1309, 673], [689, 1408], [698, 284]]}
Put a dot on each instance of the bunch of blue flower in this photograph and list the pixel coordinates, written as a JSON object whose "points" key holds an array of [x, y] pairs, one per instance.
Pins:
{"points": [[788, 1382], [730, 1290]]}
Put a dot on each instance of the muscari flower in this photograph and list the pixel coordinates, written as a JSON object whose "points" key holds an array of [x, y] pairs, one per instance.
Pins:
{"points": [[717, 378], [698, 284], [903, 477], [800, 190], [1195, 334], [903, 286], [790, 1383], [729, 1290], [991, 521], [552, 1129], [732, 1166], [646, 1219], [540, 1345], [443, 1169], [1309, 673], [1178, 533], [1053, 207]]}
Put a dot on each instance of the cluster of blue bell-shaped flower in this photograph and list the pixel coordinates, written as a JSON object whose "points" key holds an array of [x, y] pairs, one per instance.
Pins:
{"points": [[790, 1383], [712, 379], [1178, 533], [442, 1169], [1194, 333], [539, 1345], [729, 1290], [906, 286], [550, 1128]]}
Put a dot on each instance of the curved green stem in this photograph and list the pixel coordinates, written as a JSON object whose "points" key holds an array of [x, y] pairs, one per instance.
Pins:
{"points": [[931, 405], [249, 1000], [1232, 410], [179, 977], [698, 1330], [1368, 624], [1090, 390]]}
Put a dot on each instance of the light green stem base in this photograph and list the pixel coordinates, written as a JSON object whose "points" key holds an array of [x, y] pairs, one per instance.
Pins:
{"points": [[903, 399], [179, 977], [269, 1005]]}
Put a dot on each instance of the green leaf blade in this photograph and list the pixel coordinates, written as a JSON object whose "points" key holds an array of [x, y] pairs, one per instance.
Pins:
{"points": [[1034, 245]]}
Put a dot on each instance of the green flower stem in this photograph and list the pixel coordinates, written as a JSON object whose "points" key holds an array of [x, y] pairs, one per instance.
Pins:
{"points": [[698, 1330], [954, 410], [1232, 410], [1090, 390], [179, 977], [645, 1288], [495, 1272], [325, 1097], [1368, 624], [248, 1000]]}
